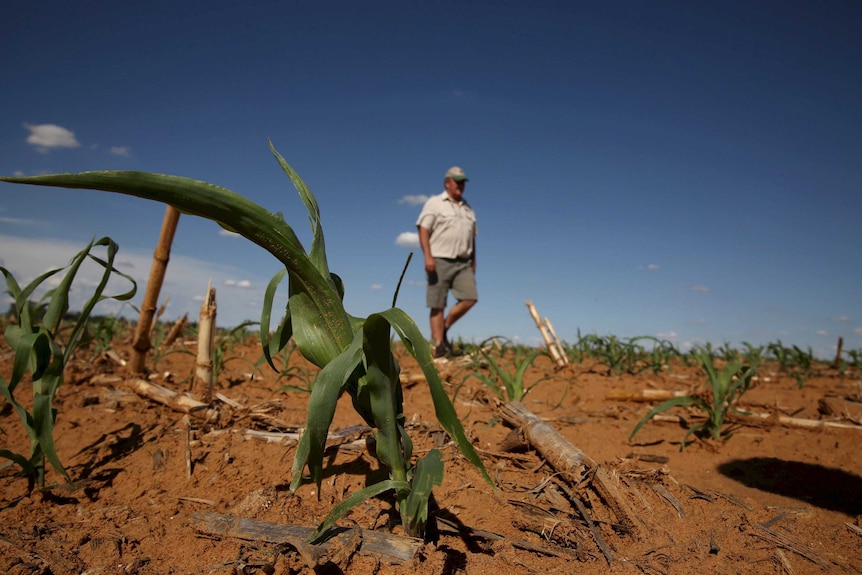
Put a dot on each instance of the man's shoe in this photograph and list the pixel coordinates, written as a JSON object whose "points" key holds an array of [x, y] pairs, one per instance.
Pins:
{"points": [[442, 350]]}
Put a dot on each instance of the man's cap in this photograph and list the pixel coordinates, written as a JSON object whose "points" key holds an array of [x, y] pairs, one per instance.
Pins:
{"points": [[457, 174]]}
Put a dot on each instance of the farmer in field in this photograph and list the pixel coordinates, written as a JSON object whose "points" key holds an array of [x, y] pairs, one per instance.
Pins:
{"points": [[447, 234]]}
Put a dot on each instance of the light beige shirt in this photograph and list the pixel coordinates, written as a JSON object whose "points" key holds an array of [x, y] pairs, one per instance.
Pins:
{"points": [[452, 226]]}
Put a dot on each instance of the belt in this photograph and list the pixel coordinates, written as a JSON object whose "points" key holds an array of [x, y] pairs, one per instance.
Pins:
{"points": [[457, 260]]}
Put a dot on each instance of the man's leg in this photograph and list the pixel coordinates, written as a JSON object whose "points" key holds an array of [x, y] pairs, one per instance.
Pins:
{"points": [[464, 290], [456, 312], [437, 325]]}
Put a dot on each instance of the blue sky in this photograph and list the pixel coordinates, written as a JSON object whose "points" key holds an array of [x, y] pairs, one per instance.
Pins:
{"points": [[685, 170]]}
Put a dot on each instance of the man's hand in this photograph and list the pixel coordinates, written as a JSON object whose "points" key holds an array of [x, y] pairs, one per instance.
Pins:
{"points": [[425, 244]]}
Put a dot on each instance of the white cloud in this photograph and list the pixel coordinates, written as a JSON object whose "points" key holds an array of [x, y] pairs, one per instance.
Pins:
{"points": [[821, 332], [408, 240], [47, 136], [18, 174], [19, 221], [699, 288], [841, 319], [228, 234], [858, 331], [120, 151], [376, 286], [413, 200], [667, 335], [245, 284], [649, 267]]}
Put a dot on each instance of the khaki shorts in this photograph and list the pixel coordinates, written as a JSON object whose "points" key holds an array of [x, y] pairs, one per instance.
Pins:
{"points": [[455, 275]]}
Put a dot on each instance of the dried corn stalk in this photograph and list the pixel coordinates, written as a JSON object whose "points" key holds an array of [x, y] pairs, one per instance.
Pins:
{"points": [[141, 342], [547, 331], [206, 333]]}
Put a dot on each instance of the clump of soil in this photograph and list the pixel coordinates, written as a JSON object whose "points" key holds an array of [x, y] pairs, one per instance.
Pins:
{"points": [[158, 491]]}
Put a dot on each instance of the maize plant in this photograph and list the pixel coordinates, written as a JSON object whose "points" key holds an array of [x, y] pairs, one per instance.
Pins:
{"points": [[507, 386], [726, 387], [353, 354], [41, 350]]}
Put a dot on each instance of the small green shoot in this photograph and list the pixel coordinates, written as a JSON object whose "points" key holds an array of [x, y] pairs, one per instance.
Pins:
{"points": [[42, 350], [725, 389]]}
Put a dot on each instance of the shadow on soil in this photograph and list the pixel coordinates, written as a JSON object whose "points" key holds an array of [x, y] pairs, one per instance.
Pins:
{"points": [[820, 486]]}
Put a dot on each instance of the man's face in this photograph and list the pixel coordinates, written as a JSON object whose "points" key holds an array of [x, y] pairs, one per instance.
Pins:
{"points": [[454, 188]]}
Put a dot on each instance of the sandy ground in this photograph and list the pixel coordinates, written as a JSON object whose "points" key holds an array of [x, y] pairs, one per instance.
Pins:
{"points": [[151, 483]]}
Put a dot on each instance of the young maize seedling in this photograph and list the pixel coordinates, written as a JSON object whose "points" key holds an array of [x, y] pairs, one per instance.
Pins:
{"points": [[726, 387], [40, 349], [507, 386], [353, 354]]}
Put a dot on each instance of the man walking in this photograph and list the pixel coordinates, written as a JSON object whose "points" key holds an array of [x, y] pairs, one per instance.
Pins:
{"points": [[447, 234]]}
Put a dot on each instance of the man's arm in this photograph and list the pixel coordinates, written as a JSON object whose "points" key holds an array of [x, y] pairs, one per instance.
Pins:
{"points": [[425, 243], [474, 255]]}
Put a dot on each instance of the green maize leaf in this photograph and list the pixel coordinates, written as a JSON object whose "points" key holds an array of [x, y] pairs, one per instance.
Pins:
{"points": [[692, 430], [14, 290], [429, 472], [401, 279], [272, 345], [383, 391], [109, 270], [309, 329], [313, 342], [360, 496], [23, 415], [32, 350], [43, 418], [487, 382], [328, 387], [317, 254], [18, 459], [406, 442], [686, 401], [22, 297], [418, 347], [501, 375], [60, 295], [241, 214]]}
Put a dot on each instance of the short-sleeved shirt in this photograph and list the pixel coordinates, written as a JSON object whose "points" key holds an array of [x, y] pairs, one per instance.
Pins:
{"points": [[452, 226]]}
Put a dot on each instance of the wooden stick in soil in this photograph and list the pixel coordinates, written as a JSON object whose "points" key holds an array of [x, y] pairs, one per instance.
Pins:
{"points": [[159, 313], [844, 408], [174, 400], [573, 463], [556, 354], [206, 335], [141, 343], [394, 548], [176, 330], [837, 363], [759, 419], [556, 449], [645, 395], [556, 340], [187, 428]]}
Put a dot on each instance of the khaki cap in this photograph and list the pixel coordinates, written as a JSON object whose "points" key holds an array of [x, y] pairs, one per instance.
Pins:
{"points": [[457, 174]]}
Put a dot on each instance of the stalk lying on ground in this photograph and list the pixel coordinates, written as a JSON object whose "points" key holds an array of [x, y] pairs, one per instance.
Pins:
{"points": [[354, 354]]}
